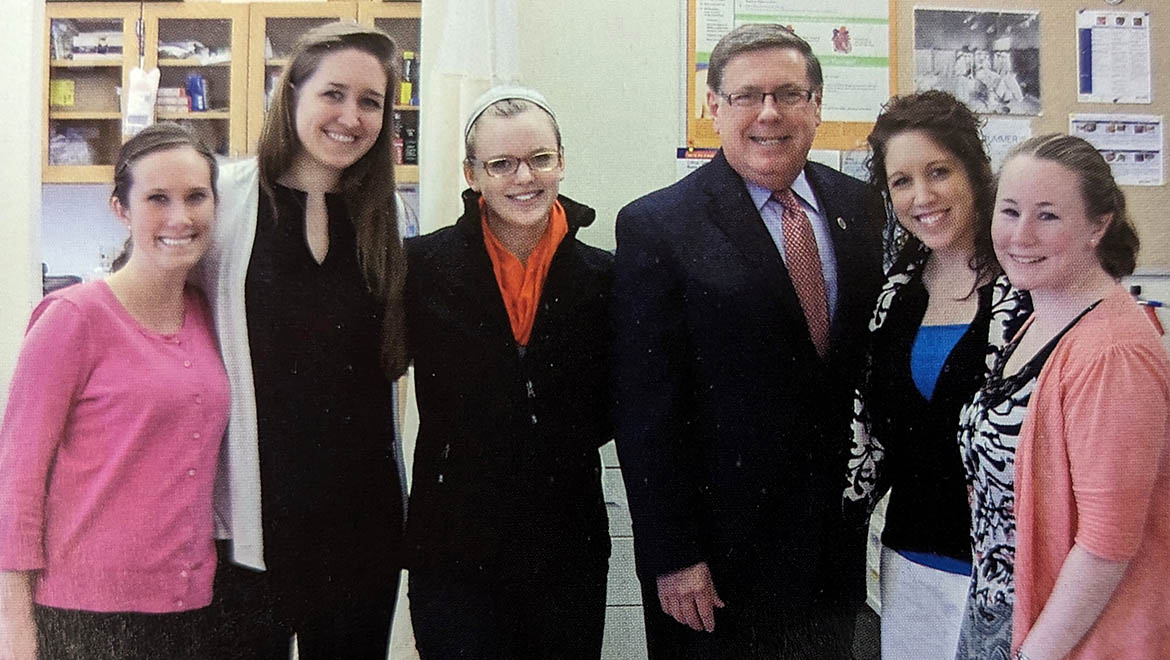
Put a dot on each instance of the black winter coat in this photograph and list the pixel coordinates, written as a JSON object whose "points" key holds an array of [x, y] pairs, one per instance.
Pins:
{"points": [[506, 467]]}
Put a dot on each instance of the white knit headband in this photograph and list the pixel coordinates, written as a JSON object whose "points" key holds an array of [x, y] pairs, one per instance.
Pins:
{"points": [[505, 93]]}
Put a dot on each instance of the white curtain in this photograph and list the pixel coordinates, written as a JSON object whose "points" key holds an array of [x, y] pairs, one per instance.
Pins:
{"points": [[468, 46]]}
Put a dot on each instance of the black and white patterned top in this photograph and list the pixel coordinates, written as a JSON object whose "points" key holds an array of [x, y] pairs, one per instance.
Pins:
{"points": [[863, 489], [988, 431], [989, 428], [1009, 308]]}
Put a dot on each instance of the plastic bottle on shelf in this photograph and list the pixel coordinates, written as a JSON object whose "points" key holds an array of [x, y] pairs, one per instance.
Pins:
{"points": [[416, 81], [398, 141], [406, 87], [197, 92]]}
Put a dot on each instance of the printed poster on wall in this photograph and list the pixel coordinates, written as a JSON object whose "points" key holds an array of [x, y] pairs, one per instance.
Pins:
{"points": [[1113, 56], [1131, 144], [851, 38], [1001, 134], [689, 160]]}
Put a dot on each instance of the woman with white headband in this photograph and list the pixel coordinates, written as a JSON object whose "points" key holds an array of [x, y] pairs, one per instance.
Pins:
{"points": [[507, 324]]}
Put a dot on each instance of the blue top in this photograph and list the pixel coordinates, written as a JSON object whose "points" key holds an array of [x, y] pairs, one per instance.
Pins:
{"points": [[937, 562], [931, 348]]}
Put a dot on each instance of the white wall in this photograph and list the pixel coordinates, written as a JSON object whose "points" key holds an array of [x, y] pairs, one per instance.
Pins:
{"points": [[77, 226], [611, 70], [20, 169]]}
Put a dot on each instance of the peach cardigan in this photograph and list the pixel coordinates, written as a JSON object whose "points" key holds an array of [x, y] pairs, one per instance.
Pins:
{"points": [[1092, 469]]}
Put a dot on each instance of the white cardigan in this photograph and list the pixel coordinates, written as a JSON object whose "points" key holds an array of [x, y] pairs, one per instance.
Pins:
{"points": [[221, 275]]}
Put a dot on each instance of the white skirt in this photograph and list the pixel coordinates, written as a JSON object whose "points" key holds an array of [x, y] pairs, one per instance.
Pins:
{"points": [[922, 609]]}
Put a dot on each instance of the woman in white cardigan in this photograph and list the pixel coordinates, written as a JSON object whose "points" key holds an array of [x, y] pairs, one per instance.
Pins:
{"points": [[305, 281]]}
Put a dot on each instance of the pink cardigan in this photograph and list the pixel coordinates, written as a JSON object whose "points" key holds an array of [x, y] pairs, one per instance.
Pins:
{"points": [[108, 454], [1092, 468]]}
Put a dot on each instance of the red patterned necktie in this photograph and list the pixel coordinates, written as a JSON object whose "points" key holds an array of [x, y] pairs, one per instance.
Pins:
{"points": [[804, 268]]}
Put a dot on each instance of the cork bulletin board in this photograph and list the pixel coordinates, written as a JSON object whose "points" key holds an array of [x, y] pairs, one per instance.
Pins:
{"points": [[1054, 42], [1149, 206]]}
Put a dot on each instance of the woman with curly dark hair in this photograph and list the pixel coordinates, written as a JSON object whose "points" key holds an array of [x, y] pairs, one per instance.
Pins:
{"points": [[926, 360]]}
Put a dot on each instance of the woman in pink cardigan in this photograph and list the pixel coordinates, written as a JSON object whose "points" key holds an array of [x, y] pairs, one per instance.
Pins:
{"points": [[1066, 447], [111, 434]]}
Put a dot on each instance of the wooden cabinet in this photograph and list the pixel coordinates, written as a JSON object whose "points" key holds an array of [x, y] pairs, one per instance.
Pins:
{"points": [[274, 30], [241, 50], [91, 49], [208, 40], [401, 20]]}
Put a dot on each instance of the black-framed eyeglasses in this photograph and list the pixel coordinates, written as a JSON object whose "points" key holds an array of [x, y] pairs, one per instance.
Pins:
{"points": [[788, 97], [541, 161]]}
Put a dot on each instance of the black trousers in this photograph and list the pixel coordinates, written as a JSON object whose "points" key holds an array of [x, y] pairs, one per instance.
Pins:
{"points": [[255, 614], [515, 616], [752, 628], [80, 635]]}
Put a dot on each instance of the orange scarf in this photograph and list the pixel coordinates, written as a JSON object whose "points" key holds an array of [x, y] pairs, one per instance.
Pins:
{"points": [[520, 284]]}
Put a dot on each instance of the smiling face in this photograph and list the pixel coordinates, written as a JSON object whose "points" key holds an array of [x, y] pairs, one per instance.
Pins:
{"points": [[767, 145], [169, 210], [930, 191], [1042, 231], [520, 200], [339, 111]]}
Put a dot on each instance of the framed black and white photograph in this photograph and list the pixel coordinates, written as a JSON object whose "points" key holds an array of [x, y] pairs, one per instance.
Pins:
{"points": [[988, 59]]}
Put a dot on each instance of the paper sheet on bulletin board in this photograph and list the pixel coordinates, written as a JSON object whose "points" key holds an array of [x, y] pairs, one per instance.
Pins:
{"points": [[852, 38]]}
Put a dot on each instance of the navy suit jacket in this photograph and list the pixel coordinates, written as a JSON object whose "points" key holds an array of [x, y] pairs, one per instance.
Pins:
{"points": [[732, 432]]}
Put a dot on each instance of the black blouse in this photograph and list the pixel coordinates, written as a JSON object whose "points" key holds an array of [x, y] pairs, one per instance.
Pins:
{"points": [[329, 481], [928, 509]]}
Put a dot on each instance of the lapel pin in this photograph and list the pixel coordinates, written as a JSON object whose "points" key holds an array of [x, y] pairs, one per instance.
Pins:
{"points": [[841, 223]]}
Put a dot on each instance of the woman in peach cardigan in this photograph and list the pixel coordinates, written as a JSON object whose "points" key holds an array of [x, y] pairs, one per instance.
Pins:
{"points": [[1067, 445]]}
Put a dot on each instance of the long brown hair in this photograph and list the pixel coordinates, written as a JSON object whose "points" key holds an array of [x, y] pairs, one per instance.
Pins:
{"points": [[368, 185]]}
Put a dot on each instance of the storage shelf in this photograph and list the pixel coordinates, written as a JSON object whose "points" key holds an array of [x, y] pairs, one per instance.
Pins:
{"points": [[83, 114], [78, 173], [190, 62], [406, 173], [242, 79], [208, 114], [82, 63]]}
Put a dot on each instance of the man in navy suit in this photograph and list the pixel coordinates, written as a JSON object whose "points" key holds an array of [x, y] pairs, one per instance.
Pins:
{"points": [[741, 299]]}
